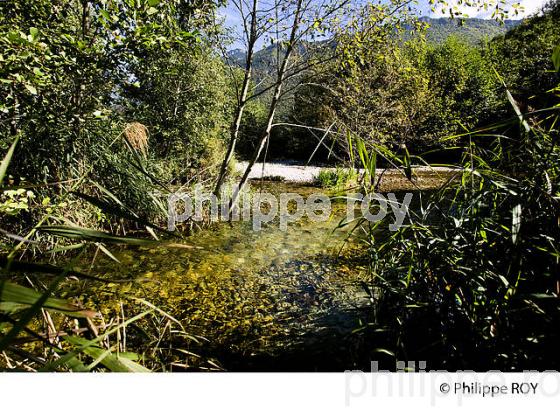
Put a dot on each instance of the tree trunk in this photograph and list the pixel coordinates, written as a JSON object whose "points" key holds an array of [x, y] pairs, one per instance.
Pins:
{"points": [[273, 105], [234, 135]]}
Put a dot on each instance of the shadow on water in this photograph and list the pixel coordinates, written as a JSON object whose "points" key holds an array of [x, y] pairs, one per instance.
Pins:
{"points": [[318, 309]]}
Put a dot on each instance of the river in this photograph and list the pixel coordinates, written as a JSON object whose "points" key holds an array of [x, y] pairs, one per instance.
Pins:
{"points": [[245, 300]]}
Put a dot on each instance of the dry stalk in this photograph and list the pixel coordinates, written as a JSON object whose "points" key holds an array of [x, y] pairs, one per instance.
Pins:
{"points": [[137, 136]]}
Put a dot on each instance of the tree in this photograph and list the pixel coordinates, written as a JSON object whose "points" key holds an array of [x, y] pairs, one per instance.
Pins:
{"points": [[392, 91], [522, 58], [253, 29], [64, 67], [468, 91], [294, 21], [184, 98]]}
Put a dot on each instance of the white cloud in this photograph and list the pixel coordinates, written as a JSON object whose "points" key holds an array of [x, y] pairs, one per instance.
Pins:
{"points": [[532, 6]]}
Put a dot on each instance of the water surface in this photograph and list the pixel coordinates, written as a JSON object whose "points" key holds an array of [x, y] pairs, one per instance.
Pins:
{"points": [[266, 300]]}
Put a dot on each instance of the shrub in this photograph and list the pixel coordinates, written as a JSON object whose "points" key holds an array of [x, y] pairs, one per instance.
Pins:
{"points": [[329, 178], [472, 281]]}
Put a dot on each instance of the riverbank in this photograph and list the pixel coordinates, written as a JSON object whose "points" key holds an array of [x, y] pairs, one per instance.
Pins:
{"points": [[305, 174]]}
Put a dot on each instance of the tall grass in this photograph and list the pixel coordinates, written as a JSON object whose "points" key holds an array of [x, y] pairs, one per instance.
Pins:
{"points": [[39, 330], [473, 280]]}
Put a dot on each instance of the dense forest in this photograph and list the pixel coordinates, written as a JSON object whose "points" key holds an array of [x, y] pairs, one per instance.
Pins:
{"points": [[109, 107]]}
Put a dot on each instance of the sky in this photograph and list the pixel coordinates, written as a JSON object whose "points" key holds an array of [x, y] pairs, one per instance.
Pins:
{"points": [[530, 7]]}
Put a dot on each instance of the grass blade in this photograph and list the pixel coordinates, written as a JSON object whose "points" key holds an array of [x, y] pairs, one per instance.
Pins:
{"points": [[6, 161], [14, 297]]}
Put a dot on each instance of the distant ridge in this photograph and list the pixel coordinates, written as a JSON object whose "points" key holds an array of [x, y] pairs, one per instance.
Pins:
{"points": [[472, 30]]}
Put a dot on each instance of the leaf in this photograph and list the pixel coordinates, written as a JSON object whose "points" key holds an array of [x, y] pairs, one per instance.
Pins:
{"points": [[153, 3], [71, 355], [407, 164], [516, 224], [544, 296], [116, 210], [384, 351], [556, 58], [7, 159], [28, 314], [107, 252], [152, 10], [116, 363], [76, 365], [15, 297], [31, 89], [34, 32], [46, 269], [152, 232], [105, 14], [73, 232]]}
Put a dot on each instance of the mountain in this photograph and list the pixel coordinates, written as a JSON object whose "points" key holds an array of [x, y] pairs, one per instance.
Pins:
{"points": [[236, 57], [471, 30], [265, 59]]}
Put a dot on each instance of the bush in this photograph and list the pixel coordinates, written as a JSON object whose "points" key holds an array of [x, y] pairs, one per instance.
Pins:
{"points": [[328, 178], [472, 282]]}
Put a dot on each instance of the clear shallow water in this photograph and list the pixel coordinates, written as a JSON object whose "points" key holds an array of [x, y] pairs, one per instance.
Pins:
{"points": [[267, 300]]}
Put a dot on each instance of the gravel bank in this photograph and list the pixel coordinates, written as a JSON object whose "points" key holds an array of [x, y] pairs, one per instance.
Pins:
{"points": [[306, 174]]}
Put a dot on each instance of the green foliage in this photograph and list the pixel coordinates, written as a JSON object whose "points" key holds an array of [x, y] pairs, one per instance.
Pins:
{"points": [[465, 87], [185, 100], [253, 123], [75, 74], [392, 85], [14, 297], [65, 72], [122, 362], [480, 265], [556, 58], [66, 75], [15, 201], [522, 57], [478, 261], [414, 93], [339, 178]]}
